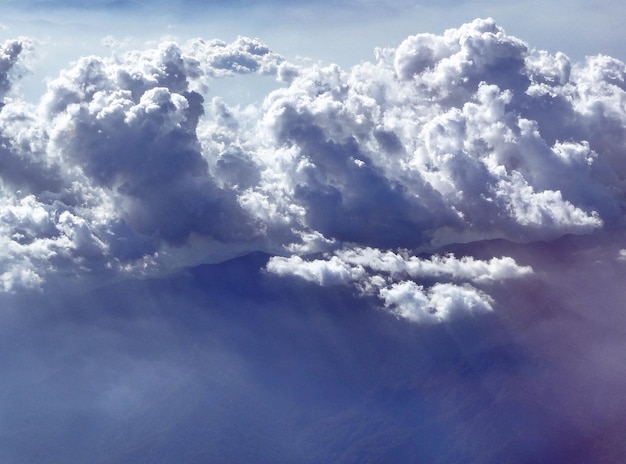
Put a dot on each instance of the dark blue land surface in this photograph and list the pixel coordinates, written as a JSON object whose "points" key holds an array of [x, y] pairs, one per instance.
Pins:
{"points": [[228, 363]]}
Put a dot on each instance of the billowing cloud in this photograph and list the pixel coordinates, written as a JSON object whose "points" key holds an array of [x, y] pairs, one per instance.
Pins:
{"points": [[433, 142], [465, 136], [442, 301], [110, 162]]}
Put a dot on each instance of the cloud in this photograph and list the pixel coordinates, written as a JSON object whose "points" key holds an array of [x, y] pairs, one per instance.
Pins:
{"points": [[440, 140], [466, 268], [10, 53], [112, 159], [418, 289], [375, 307], [244, 55], [331, 272], [468, 135], [442, 301]]}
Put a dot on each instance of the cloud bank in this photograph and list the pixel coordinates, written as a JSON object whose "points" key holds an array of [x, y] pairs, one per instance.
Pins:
{"points": [[129, 161]]}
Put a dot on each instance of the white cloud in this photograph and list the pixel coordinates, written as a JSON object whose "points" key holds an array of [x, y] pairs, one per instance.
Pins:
{"points": [[545, 209], [244, 55], [404, 283], [408, 300], [331, 272], [462, 136], [441, 302], [465, 268]]}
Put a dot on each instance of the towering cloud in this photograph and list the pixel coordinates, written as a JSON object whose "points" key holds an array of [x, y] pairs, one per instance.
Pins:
{"points": [[464, 136], [109, 165]]}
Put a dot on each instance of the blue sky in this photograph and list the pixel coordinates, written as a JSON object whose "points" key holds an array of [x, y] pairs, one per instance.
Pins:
{"points": [[294, 232]]}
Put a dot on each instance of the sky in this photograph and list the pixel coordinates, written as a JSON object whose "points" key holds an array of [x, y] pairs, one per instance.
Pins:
{"points": [[291, 232]]}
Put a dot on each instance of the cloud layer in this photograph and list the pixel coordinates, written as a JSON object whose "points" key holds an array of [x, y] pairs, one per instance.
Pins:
{"points": [[465, 136]]}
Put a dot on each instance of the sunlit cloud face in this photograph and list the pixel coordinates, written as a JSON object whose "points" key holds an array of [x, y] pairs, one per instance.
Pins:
{"points": [[197, 230]]}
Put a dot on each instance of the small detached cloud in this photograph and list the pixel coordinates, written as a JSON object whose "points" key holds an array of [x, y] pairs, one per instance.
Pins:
{"points": [[464, 136], [418, 289], [243, 56]]}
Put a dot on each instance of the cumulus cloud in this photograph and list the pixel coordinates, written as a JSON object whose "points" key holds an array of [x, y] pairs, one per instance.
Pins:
{"points": [[442, 301], [244, 55], [111, 158], [440, 140], [418, 289], [463, 136]]}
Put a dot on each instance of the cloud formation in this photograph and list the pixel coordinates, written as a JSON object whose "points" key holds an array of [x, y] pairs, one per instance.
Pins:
{"points": [[109, 165], [371, 194], [417, 289], [465, 136]]}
